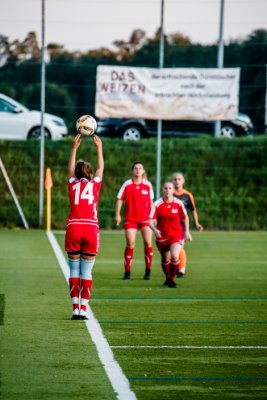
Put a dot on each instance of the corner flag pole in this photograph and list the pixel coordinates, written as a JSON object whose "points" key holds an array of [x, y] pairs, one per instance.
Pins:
{"points": [[48, 186], [12, 191]]}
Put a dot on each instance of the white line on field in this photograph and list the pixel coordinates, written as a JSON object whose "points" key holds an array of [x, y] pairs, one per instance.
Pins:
{"points": [[188, 347], [114, 372]]}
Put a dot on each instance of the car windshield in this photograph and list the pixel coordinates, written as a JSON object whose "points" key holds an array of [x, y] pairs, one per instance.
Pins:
{"points": [[11, 106], [6, 106]]}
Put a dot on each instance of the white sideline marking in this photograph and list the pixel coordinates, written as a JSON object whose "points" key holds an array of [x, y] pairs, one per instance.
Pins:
{"points": [[188, 347], [114, 372]]}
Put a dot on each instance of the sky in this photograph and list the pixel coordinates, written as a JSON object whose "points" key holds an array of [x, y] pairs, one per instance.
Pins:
{"points": [[90, 24]]}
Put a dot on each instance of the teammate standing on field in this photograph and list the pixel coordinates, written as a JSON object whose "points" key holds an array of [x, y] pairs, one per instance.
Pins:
{"points": [[188, 200], [82, 233], [138, 195], [165, 221]]}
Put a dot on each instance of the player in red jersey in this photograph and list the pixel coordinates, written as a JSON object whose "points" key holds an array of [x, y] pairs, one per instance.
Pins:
{"points": [[138, 195], [188, 200], [82, 233], [165, 221]]}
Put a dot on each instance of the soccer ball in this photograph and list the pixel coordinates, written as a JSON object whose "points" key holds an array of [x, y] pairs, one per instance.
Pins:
{"points": [[86, 125]]}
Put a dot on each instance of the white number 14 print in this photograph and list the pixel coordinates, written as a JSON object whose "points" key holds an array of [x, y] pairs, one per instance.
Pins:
{"points": [[87, 193]]}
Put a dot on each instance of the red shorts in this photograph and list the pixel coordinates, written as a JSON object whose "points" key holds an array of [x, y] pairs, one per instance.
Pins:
{"points": [[165, 242], [135, 225], [82, 238]]}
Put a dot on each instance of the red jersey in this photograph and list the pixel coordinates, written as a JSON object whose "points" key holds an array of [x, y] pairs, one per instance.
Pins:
{"points": [[83, 196], [168, 216], [137, 200]]}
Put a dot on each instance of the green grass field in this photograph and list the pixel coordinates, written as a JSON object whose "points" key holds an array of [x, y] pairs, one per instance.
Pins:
{"points": [[203, 340]]}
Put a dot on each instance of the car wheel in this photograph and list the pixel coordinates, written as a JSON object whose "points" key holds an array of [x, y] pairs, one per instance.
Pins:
{"points": [[35, 133], [228, 131], [132, 133]]}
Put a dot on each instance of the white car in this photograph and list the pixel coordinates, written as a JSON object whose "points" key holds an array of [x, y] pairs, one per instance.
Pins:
{"points": [[17, 122]]}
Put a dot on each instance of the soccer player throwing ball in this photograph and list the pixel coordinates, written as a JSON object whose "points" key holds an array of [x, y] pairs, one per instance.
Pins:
{"points": [[164, 220], [82, 233], [138, 195]]}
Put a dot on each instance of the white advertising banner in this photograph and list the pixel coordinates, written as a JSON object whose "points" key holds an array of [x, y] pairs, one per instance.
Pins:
{"points": [[167, 93]]}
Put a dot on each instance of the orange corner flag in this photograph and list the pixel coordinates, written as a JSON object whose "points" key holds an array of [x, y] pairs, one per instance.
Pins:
{"points": [[48, 179]]}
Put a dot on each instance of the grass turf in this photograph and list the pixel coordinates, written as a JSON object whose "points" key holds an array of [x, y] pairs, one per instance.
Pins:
{"points": [[221, 302], [44, 355]]}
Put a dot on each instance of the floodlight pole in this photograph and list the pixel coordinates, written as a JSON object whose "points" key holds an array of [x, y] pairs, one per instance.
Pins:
{"points": [[220, 56], [41, 182], [159, 125]]}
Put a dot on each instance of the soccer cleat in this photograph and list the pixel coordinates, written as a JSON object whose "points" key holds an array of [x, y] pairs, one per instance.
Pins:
{"points": [[83, 314], [75, 314], [147, 274], [127, 275], [171, 283], [180, 275], [166, 282]]}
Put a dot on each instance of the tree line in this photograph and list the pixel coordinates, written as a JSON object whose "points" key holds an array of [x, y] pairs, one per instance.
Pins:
{"points": [[71, 76]]}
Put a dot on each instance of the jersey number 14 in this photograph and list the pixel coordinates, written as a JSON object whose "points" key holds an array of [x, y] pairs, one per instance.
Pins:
{"points": [[86, 194]]}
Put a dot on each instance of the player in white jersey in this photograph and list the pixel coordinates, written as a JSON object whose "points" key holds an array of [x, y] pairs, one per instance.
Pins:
{"points": [[82, 233], [137, 193], [165, 221]]}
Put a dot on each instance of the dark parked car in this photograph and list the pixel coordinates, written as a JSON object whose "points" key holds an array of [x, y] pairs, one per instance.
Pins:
{"points": [[135, 129]]}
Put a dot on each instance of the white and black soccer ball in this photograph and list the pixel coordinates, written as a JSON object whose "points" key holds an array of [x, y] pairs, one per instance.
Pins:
{"points": [[86, 125]]}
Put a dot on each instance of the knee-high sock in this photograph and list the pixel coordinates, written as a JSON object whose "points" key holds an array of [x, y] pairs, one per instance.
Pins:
{"points": [[173, 268], [128, 257], [182, 261], [74, 281], [148, 257], [165, 265], [86, 290], [74, 291], [86, 281]]}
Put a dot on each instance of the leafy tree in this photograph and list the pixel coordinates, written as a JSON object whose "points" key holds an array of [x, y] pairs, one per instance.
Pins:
{"points": [[128, 49]]}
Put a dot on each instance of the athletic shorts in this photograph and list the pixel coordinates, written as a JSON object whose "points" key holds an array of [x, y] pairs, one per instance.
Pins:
{"points": [[135, 225], [164, 243], [82, 238]]}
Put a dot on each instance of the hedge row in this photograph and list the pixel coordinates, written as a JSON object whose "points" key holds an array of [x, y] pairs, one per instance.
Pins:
{"points": [[227, 178]]}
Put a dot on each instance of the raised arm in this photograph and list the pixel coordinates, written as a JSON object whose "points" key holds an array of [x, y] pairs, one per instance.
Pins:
{"points": [[100, 158], [72, 161]]}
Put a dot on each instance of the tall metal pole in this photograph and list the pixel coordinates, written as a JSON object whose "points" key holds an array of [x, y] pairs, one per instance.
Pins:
{"points": [[266, 100], [41, 182], [159, 125], [220, 60]]}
